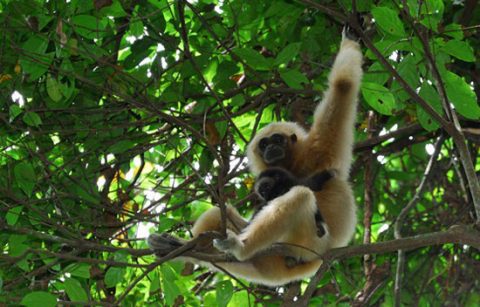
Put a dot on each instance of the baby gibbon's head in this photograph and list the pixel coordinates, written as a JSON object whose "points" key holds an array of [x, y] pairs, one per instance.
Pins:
{"points": [[274, 182], [273, 146]]}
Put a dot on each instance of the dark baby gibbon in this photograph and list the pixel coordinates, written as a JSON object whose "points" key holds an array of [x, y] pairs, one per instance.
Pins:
{"points": [[288, 219]]}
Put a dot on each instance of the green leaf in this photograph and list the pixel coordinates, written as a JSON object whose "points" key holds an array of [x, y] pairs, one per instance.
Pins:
{"points": [[14, 111], [378, 97], [81, 270], [115, 9], [32, 119], [35, 61], [431, 12], [459, 49], [429, 94], [388, 20], [13, 215], [36, 44], [376, 74], [206, 160], [170, 289], [241, 298], [25, 177], [453, 30], [461, 94], [114, 276], [294, 78], [136, 28], [166, 224], [68, 88], [53, 89], [254, 59], [16, 245], [75, 290], [121, 146], [39, 298], [89, 26], [287, 54], [224, 293]]}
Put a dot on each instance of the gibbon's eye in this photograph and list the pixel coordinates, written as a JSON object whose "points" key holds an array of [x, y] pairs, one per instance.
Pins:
{"points": [[293, 138], [277, 138], [262, 145]]}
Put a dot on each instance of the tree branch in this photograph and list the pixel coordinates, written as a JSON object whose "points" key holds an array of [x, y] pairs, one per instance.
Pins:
{"points": [[403, 214]]}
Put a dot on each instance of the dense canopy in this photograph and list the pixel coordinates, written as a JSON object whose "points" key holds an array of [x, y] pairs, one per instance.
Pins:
{"points": [[120, 118]]}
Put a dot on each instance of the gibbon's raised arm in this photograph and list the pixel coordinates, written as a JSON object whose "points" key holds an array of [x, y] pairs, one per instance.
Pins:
{"points": [[328, 144], [334, 118]]}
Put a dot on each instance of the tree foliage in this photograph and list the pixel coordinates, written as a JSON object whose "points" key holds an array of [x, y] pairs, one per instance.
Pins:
{"points": [[125, 117]]}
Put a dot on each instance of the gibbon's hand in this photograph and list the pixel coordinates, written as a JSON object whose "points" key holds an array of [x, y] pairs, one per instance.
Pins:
{"points": [[231, 245], [354, 21], [349, 33]]}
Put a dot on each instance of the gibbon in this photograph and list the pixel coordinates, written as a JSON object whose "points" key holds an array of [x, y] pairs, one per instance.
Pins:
{"points": [[288, 219], [327, 145]]}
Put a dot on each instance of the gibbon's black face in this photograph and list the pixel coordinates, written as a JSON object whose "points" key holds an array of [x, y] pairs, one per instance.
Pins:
{"points": [[274, 182], [275, 148]]}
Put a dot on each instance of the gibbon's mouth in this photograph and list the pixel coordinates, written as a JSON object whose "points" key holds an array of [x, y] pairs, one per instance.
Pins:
{"points": [[273, 154]]}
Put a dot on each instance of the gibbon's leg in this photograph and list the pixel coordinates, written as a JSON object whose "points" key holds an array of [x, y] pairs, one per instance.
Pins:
{"points": [[270, 270], [331, 135], [338, 210], [210, 220], [282, 218]]}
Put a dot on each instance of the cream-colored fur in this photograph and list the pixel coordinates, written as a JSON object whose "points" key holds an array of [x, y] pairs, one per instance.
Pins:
{"points": [[289, 219]]}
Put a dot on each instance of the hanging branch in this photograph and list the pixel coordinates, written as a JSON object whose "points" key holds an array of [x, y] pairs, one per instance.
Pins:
{"points": [[403, 214]]}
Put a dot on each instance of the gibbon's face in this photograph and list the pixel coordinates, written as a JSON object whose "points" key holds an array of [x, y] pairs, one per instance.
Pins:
{"points": [[274, 182], [276, 148]]}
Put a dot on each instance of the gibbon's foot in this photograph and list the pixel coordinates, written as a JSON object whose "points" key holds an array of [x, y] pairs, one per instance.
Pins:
{"points": [[163, 243], [230, 245]]}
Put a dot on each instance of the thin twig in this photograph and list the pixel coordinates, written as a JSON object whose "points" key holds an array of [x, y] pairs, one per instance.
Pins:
{"points": [[403, 214]]}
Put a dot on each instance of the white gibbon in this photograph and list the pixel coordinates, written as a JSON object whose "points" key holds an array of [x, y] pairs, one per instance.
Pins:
{"points": [[289, 219]]}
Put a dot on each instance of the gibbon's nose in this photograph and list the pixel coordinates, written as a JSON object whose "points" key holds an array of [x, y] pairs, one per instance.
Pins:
{"points": [[264, 189], [273, 153]]}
